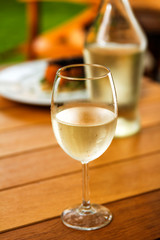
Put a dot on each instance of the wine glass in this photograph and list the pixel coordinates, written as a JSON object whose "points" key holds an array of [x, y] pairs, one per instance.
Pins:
{"points": [[84, 117]]}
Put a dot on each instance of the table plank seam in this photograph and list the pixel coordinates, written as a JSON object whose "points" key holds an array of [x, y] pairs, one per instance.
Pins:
{"points": [[56, 217], [28, 151], [12, 129], [55, 145], [79, 171], [49, 123], [126, 159]]}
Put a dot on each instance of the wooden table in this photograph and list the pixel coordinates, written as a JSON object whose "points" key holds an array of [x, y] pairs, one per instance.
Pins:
{"points": [[38, 180]]}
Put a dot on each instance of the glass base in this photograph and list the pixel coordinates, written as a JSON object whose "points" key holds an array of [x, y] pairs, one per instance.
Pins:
{"points": [[126, 127], [87, 219]]}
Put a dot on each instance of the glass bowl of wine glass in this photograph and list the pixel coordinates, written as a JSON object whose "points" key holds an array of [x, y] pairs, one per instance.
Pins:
{"points": [[84, 116]]}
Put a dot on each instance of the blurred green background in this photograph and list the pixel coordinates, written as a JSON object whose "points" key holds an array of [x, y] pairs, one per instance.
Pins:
{"points": [[13, 24]]}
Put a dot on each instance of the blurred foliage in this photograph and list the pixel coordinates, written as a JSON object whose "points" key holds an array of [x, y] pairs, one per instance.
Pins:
{"points": [[55, 13], [13, 24]]}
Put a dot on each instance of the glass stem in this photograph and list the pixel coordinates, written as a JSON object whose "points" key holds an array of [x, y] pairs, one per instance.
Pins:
{"points": [[85, 187]]}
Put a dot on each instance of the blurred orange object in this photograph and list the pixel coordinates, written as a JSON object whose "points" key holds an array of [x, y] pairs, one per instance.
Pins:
{"points": [[67, 40], [50, 73]]}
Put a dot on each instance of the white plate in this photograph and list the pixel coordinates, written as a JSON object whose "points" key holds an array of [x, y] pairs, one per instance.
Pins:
{"points": [[21, 83]]}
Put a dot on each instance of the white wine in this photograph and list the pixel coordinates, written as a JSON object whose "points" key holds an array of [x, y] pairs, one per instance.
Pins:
{"points": [[125, 62], [84, 132]]}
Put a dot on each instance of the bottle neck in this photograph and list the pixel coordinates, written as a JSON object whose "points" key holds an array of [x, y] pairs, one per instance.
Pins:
{"points": [[116, 23], [114, 2]]}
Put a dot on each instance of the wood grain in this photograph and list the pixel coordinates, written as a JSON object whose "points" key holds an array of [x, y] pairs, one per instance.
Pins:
{"points": [[150, 91], [4, 103], [33, 163], [134, 218], [46, 199], [150, 114], [21, 116], [26, 139], [29, 137], [38, 180], [35, 166], [50, 162]]}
